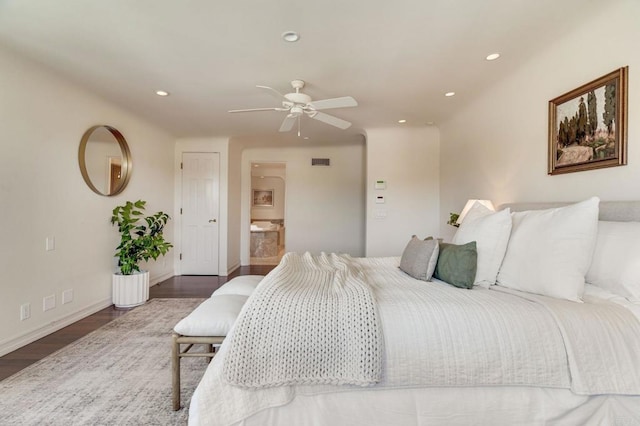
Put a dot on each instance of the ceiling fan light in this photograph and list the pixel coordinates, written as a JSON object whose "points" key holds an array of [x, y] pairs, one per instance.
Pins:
{"points": [[290, 36], [298, 104]]}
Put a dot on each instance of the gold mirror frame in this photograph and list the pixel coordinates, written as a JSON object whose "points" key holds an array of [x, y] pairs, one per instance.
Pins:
{"points": [[125, 162]]}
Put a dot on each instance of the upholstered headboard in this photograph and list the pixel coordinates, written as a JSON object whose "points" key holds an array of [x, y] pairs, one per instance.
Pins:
{"points": [[615, 211]]}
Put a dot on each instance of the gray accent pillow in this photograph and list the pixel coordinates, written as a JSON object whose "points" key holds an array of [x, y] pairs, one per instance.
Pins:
{"points": [[457, 264], [420, 257]]}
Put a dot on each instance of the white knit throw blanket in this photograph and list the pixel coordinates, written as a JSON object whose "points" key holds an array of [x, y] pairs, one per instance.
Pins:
{"points": [[312, 320]]}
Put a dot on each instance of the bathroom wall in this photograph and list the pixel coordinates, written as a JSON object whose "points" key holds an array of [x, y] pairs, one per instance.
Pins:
{"points": [[264, 178]]}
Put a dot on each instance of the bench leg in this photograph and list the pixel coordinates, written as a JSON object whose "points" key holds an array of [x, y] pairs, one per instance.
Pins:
{"points": [[175, 372], [211, 350], [177, 352]]}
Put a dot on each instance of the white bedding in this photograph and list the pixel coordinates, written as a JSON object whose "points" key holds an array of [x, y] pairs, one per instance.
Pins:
{"points": [[490, 406], [441, 342]]}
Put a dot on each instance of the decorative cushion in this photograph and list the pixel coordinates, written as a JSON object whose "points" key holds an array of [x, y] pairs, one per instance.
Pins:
{"points": [[419, 258], [243, 285], [457, 264], [550, 251], [616, 260], [213, 317], [491, 233]]}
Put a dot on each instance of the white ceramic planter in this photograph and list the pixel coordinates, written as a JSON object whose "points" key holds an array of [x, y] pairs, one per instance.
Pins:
{"points": [[130, 290]]}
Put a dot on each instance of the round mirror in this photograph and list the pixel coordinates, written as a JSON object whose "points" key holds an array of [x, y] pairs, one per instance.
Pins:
{"points": [[105, 160]]}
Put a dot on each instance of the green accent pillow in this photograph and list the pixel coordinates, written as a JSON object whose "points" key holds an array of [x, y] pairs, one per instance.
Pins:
{"points": [[457, 264]]}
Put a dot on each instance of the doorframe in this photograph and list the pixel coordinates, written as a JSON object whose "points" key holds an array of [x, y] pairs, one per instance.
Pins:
{"points": [[214, 145], [245, 206]]}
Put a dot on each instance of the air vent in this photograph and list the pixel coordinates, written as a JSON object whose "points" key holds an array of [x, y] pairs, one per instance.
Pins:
{"points": [[320, 162]]}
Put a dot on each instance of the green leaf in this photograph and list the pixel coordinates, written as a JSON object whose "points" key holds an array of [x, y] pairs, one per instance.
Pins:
{"points": [[137, 241]]}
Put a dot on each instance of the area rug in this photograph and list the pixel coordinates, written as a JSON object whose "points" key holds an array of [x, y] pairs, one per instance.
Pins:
{"points": [[119, 374]]}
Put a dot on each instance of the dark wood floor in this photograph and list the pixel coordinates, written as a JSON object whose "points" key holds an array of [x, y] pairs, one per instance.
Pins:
{"points": [[175, 287]]}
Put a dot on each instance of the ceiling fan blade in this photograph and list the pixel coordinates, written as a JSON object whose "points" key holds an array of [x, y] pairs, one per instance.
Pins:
{"points": [[343, 102], [272, 90], [258, 109], [287, 123], [330, 119]]}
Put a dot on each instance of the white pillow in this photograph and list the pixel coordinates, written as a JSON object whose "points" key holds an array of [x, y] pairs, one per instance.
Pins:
{"points": [[616, 260], [243, 285], [550, 251], [213, 317], [491, 233]]}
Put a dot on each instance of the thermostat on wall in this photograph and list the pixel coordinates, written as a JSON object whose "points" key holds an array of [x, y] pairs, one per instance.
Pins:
{"points": [[381, 184]]}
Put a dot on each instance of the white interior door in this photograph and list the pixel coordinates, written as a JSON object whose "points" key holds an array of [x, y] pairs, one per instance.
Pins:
{"points": [[200, 213]]}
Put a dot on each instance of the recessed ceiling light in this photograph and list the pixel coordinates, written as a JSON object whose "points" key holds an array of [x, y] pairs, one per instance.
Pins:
{"points": [[290, 36], [493, 57], [162, 93], [449, 94], [256, 165], [306, 138], [429, 123], [402, 121]]}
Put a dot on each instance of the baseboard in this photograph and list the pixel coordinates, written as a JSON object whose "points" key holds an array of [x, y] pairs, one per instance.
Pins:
{"points": [[155, 280], [231, 269], [20, 341]]}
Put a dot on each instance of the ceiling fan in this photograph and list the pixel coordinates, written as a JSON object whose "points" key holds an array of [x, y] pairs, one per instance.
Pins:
{"points": [[297, 104]]}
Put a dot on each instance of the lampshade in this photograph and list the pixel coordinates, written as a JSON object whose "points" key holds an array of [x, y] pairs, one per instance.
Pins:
{"points": [[487, 203]]}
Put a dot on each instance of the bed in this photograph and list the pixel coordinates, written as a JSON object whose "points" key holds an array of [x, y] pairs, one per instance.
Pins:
{"points": [[530, 342]]}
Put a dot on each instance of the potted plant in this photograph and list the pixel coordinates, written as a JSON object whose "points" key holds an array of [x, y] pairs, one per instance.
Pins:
{"points": [[453, 219], [141, 239]]}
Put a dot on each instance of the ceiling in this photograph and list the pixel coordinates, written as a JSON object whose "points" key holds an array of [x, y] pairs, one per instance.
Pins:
{"points": [[396, 58]]}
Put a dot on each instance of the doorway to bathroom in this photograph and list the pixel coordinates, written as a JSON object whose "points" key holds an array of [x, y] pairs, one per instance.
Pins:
{"points": [[267, 244]]}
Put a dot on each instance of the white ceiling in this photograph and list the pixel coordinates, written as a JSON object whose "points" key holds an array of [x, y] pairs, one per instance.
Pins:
{"points": [[396, 58]]}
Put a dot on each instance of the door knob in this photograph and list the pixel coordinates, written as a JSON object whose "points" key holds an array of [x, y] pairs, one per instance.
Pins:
{"points": [[212, 221]]}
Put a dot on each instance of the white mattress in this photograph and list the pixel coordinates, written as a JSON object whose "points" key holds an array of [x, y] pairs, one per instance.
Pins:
{"points": [[421, 387]]}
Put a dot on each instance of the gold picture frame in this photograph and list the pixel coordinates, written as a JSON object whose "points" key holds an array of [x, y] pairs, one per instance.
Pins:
{"points": [[262, 198], [588, 125]]}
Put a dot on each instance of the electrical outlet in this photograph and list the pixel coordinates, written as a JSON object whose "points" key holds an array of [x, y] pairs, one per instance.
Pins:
{"points": [[25, 311], [50, 243], [67, 296], [48, 303]]}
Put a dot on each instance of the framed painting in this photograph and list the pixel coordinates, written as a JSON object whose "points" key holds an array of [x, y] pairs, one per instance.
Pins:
{"points": [[263, 198], [588, 126]]}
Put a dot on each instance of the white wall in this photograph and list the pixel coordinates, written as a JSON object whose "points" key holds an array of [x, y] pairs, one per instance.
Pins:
{"points": [[497, 147], [221, 146], [408, 159], [324, 205], [277, 184], [42, 194]]}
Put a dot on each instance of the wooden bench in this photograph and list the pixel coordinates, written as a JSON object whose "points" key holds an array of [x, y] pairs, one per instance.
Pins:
{"points": [[208, 325]]}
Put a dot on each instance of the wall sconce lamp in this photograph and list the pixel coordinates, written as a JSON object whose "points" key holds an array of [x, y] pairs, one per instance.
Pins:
{"points": [[487, 203]]}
